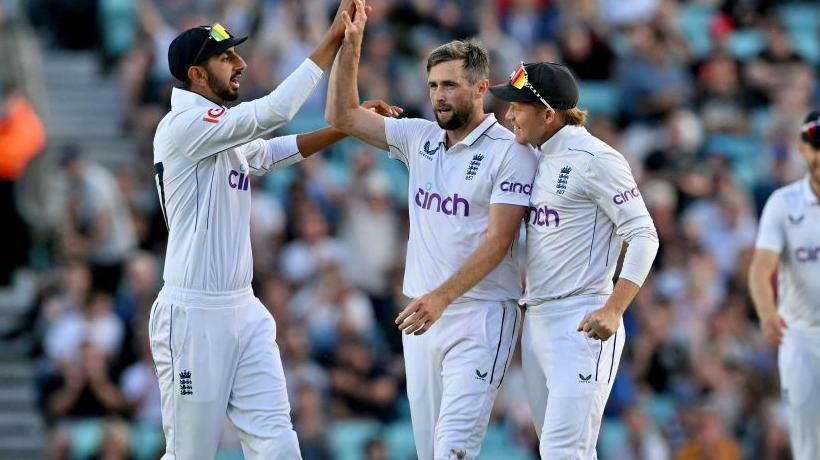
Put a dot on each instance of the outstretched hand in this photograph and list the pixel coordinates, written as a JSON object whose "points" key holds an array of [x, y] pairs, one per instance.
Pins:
{"points": [[383, 108]]}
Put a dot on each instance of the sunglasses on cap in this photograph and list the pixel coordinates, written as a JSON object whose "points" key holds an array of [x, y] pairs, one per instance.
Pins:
{"points": [[811, 130], [217, 33], [520, 79]]}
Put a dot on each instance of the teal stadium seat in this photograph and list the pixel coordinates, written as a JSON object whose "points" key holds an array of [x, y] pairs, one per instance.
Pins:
{"points": [[399, 439], [348, 438], [86, 437], [146, 441], [745, 44], [802, 19], [693, 21], [499, 445], [598, 97]]}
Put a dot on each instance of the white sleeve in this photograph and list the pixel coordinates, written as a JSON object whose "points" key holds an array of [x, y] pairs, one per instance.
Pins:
{"points": [[201, 132], [264, 156], [770, 235], [513, 182], [403, 136], [611, 185]]}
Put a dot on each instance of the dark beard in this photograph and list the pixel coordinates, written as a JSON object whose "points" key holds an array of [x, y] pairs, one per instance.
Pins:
{"points": [[222, 91], [457, 120]]}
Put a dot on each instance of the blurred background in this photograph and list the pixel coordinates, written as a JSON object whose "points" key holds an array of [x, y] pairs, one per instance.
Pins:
{"points": [[704, 98]]}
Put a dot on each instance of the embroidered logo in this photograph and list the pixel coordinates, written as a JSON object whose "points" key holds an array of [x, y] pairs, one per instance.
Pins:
{"points": [[472, 169], [795, 219], [214, 114], [480, 376], [186, 383], [563, 177], [585, 379], [429, 152]]}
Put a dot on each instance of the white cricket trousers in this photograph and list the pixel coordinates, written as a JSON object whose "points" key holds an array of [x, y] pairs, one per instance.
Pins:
{"points": [[454, 371], [568, 376], [216, 355], [799, 365]]}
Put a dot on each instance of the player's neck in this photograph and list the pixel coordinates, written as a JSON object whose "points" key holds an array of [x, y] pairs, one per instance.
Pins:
{"points": [[814, 186], [207, 94], [455, 136]]}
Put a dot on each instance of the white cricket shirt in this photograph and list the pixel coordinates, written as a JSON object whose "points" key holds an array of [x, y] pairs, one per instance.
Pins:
{"points": [[450, 193], [584, 204], [203, 155], [790, 226]]}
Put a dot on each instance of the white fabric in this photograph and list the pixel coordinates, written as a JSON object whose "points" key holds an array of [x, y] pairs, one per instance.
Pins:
{"points": [[790, 226], [216, 355], [568, 376], [203, 155], [454, 371], [450, 193], [584, 204], [799, 365]]}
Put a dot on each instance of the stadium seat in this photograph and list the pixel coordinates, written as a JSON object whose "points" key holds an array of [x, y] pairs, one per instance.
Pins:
{"points": [[146, 441], [399, 439], [693, 21], [86, 437], [599, 98], [497, 444], [348, 438], [745, 44]]}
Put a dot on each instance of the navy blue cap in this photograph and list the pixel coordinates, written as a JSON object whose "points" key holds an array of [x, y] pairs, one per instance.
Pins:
{"points": [[553, 81], [182, 54]]}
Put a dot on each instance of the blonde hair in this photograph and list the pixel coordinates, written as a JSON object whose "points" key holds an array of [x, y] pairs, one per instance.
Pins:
{"points": [[573, 116]]}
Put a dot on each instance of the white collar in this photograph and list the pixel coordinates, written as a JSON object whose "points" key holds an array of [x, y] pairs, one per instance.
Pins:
{"points": [[182, 99]]}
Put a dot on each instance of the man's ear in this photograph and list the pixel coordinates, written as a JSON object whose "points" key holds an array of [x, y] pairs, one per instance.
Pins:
{"points": [[550, 115], [196, 74], [483, 87]]}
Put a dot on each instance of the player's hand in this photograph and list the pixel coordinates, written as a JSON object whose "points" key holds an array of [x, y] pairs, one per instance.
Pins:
{"points": [[601, 323], [422, 312], [354, 25], [383, 108], [773, 327]]}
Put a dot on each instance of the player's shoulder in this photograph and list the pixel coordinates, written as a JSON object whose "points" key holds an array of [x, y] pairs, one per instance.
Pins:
{"points": [[787, 194]]}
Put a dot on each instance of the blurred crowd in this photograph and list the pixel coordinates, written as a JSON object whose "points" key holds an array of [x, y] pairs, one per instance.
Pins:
{"points": [[704, 98]]}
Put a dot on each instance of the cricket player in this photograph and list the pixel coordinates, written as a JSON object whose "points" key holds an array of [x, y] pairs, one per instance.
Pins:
{"points": [[790, 235], [469, 189], [213, 342], [584, 205]]}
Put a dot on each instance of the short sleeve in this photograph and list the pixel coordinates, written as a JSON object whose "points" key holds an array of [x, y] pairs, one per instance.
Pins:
{"points": [[513, 181], [770, 235], [403, 136]]}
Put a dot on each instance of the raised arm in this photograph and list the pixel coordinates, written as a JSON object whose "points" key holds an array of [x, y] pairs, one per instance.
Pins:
{"points": [[343, 111]]}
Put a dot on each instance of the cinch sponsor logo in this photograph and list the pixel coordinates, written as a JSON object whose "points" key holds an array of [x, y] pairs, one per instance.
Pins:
{"points": [[238, 180], [451, 206], [623, 197], [516, 187], [804, 254], [540, 217]]}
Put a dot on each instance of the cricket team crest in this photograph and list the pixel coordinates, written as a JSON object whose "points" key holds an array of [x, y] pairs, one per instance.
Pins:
{"points": [[472, 168], [563, 178]]}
